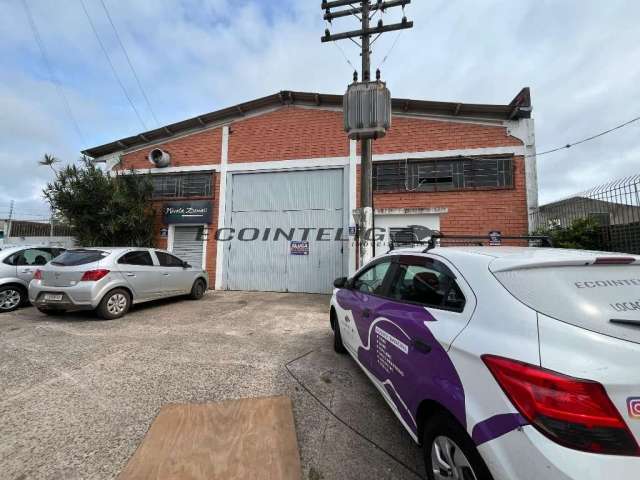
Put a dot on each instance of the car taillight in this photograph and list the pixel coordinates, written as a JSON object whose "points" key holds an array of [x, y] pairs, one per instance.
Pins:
{"points": [[573, 412], [94, 275], [37, 275]]}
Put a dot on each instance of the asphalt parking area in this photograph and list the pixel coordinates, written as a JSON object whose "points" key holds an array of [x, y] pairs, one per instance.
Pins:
{"points": [[78, 394]]}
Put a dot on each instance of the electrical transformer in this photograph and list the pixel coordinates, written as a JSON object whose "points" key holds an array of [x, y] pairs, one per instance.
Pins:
{"points": [[367, 110]]}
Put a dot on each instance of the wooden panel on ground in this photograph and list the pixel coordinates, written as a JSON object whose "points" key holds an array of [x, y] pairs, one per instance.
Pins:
{"points": [[236, 439]]}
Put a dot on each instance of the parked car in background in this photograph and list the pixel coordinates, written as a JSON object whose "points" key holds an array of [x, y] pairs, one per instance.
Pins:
{"points": [[505, 363], [110, 280], [18, 264]]}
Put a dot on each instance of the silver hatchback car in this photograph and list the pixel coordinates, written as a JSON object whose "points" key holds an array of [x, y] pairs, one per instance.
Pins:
{"points": [[17, 267], [110, 280]]}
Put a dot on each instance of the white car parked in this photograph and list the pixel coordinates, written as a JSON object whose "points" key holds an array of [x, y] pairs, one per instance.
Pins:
{"points": [[505, 363]]}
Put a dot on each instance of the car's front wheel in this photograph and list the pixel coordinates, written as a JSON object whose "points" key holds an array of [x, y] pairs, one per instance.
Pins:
{"points": [[198, 289], [11, 297], [449, 453], [338, 346], [115, 304]]}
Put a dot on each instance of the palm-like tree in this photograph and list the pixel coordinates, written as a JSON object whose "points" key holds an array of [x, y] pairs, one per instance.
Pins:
{"points": [[49, 161]]}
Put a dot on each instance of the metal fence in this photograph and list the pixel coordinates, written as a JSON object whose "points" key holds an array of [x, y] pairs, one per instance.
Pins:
{"points": [[614, 206], [36, 232]]}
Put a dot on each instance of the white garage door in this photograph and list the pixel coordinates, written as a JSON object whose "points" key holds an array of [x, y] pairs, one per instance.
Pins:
{"points": [[262, 203], [402, 225], [188, 244]]}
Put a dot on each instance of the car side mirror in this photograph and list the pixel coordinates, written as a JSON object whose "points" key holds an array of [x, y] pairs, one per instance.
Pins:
{"points": [[186, 265], [342, 282]]}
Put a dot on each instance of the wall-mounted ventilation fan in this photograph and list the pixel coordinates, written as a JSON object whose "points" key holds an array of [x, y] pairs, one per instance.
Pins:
{"points": [[159, 158]]}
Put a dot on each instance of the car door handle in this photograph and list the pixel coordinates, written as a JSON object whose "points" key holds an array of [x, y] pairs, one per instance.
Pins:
{"points": [[421, 347], [26, 271], [366, 313], [165, 274], [131, 274]]}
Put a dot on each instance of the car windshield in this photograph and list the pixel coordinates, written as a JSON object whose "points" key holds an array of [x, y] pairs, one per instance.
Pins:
{"points": [[600, 298], [79, 257]]}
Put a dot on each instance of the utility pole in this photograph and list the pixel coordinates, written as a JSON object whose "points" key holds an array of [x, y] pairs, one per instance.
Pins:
{"points": [[365, 13], [10, 219], [366, 152]]}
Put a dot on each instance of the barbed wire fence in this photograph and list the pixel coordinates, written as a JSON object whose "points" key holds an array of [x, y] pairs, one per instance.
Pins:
{"points": [[614, 206]]}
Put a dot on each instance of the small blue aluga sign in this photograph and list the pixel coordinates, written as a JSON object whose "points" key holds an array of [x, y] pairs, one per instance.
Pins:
{"points": [[299, 247]]}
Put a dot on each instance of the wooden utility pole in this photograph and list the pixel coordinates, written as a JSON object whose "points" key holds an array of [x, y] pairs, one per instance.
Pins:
{"points": [[364, 13]]}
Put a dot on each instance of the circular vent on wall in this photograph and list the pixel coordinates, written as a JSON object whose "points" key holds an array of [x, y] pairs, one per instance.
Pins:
{"points": [[159, 158]]}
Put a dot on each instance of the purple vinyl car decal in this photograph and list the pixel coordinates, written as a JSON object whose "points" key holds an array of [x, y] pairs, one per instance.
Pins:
{"points": [[497, 426]]}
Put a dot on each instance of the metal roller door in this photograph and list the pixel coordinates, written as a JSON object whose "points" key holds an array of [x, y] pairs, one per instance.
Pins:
{"points": [[188, 244], [297, 199]]}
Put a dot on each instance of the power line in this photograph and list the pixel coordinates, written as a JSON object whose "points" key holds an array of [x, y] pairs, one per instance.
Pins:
{"points": [[52, 77], [391, 49], [133, 70], [344, 55], [113, 69], [592, 137]]}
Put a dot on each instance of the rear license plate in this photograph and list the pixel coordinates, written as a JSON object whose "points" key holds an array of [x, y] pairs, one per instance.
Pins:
{"points": [[52, 298]]}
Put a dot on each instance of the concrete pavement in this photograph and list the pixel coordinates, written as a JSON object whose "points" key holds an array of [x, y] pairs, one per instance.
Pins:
{"points": [[78, 394]]}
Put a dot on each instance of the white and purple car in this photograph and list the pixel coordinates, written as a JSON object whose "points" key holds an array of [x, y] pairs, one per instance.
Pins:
{"points": [[505, 363]]}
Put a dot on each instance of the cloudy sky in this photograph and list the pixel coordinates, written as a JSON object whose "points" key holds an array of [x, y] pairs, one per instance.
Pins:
{"points": [[581, 59]]}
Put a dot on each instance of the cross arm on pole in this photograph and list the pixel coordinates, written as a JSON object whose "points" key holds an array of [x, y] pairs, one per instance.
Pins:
{"points": [[357, 10], [328, 37]]}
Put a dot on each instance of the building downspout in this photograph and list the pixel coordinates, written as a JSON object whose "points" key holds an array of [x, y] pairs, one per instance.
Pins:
{"points": [[524, 130]]}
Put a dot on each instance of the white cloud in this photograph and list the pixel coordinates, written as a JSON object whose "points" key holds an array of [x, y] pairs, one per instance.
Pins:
{"points": [[581, 59]]}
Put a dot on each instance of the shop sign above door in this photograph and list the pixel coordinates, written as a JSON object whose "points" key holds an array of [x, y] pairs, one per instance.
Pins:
{"points": [[197, 211]]}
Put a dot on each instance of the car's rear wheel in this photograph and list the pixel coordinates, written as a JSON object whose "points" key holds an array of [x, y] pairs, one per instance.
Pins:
{"points": [[11, 297], [198, 289], [51, 311], [114, 304], [449, 453], [338, 346]]}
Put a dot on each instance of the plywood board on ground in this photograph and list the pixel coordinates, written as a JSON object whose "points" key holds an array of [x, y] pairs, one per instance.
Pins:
{"points": [[252, 438]]}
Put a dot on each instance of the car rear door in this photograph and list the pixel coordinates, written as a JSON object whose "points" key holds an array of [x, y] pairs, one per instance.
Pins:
{"points": [[141, 274]]}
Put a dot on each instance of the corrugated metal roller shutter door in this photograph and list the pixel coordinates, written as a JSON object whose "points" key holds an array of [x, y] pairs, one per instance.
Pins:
{"points": [[187, 244], [297, 199]]}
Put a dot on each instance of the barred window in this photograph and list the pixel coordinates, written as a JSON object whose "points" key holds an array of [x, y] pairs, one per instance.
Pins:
{"points": [[443, 174], [182, 185]]}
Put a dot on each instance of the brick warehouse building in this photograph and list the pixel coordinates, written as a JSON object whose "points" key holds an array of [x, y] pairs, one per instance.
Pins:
{"points": [[284, 161]]}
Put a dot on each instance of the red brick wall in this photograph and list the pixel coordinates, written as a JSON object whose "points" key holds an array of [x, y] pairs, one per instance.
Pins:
{"points": [[289, 133], [201, 148], [421, 135]]}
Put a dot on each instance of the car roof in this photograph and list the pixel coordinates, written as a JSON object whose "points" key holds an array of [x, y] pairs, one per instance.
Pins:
{"points": [[15, 248], [502, 258], [111, 249]]}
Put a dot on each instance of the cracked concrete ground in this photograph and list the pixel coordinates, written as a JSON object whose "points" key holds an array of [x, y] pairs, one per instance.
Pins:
{"points": [[79, 394]]}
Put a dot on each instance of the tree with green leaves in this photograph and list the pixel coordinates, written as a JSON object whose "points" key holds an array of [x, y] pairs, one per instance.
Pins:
{"points": [[103, 210], [49, 160], [583, 234]]}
